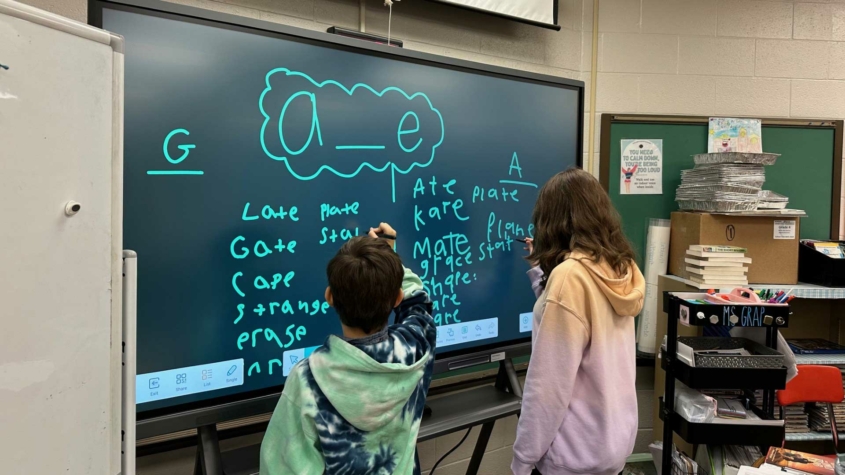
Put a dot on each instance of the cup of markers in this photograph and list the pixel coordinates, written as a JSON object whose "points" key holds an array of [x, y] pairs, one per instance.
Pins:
{"points": [[770, 296]]}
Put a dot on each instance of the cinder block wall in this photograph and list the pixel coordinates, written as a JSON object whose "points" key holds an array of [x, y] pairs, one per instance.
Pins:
{"points": [[765, 58]]}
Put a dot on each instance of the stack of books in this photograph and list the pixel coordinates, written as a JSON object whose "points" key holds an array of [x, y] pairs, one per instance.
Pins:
{"points": [[729, 408], [796, 419], [718, 265], [780, 460], [815, 346], [819, 417]]}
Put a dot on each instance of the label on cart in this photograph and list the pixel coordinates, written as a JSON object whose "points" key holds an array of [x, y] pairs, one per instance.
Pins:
{"points": [[684, 315], [785, 229]]}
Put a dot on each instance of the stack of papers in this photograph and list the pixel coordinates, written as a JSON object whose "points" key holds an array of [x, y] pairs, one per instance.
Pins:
{"points": [[682, 463], [739, 455], [717, 265], [727, 459], [815, 346], [730, 408]]}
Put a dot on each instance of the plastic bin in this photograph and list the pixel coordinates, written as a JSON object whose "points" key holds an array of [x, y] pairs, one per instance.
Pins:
{"points": [[817, 268]]}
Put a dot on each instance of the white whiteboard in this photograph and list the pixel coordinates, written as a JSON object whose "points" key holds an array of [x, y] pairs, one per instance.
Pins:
{"points": [[60, 140]]}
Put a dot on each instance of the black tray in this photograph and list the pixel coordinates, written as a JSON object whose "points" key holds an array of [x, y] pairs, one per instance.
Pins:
{"points": [[724, 434], [727, 378]]}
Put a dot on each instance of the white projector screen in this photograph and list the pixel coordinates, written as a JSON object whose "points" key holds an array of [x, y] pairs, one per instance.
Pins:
{"points": [[538, 12]]}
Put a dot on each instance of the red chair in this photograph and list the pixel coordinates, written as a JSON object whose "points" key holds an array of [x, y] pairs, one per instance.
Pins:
{"points": [[819, 384]]}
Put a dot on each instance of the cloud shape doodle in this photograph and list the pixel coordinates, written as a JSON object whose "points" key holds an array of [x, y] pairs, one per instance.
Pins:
{"points": [[314, 126]]}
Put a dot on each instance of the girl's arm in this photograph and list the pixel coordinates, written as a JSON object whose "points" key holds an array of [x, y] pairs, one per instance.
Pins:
{"points": [[535, 275]]}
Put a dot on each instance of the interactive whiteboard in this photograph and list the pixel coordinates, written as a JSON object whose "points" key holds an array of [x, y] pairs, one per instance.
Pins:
{"points": [[252, 156]]}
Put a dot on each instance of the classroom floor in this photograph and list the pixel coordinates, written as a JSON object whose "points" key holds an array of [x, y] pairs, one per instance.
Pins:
{"points": [[640, 468]]}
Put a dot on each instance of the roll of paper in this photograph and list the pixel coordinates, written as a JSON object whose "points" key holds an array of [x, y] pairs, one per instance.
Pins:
{"points": [[656, 264], [647, 328], [657, 249]]}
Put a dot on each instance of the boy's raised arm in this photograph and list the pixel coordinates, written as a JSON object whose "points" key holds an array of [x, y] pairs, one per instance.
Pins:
{"points": [[415, 309]]}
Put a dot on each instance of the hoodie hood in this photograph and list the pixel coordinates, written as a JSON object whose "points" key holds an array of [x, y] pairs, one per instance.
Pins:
{"points": [[624, 292], [347, 376]]}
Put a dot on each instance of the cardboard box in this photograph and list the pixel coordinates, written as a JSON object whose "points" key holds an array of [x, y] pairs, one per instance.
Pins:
{"points": [[772, 243]]}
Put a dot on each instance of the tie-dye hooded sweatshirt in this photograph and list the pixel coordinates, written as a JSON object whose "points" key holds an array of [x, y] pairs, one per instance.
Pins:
{"points": [[354, 407]]}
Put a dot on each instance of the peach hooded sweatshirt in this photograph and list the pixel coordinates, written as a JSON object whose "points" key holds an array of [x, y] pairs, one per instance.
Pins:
{"points": [[579, 413]]}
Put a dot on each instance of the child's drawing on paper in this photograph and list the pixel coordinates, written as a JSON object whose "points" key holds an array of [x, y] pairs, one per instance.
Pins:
{"points": [[629, 173], [734, 135], [755, 144], [725, 144]]}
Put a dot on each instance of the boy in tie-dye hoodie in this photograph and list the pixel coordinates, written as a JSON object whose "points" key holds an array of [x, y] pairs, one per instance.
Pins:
{"points": [[354, 406]]}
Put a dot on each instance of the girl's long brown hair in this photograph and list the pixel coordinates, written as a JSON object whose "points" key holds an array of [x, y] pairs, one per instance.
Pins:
{"points": [[573, 212]]}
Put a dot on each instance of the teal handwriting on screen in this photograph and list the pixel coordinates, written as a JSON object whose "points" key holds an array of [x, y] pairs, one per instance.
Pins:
{"points": [[250, 159]]}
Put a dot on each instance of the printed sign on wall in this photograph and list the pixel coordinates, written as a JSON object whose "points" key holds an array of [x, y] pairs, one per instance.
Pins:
{"points": [[642, 167]]}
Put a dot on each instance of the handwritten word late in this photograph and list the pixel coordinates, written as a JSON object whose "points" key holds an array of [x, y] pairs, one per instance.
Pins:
{"points": [[268, 212]]}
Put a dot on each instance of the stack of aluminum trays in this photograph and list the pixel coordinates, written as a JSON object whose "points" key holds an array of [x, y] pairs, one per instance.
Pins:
{"points": [[771, 200], [723, 182], [736, 157]]}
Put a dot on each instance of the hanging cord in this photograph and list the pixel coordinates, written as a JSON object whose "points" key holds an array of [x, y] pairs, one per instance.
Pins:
{"points": [[450, 452], [389, 4]]}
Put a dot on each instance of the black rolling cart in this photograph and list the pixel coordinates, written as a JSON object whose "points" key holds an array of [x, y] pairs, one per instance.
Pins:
{"points": [[762, 371]]}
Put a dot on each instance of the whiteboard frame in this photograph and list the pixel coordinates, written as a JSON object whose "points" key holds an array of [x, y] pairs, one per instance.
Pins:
{"points": [[212, 411]]}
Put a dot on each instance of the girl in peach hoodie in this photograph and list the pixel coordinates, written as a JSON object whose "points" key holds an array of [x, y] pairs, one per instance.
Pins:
{"points": [[579, 413]]}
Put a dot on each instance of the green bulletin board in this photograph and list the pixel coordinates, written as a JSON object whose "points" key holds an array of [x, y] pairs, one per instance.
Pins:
{"points": [[808, 170]]}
